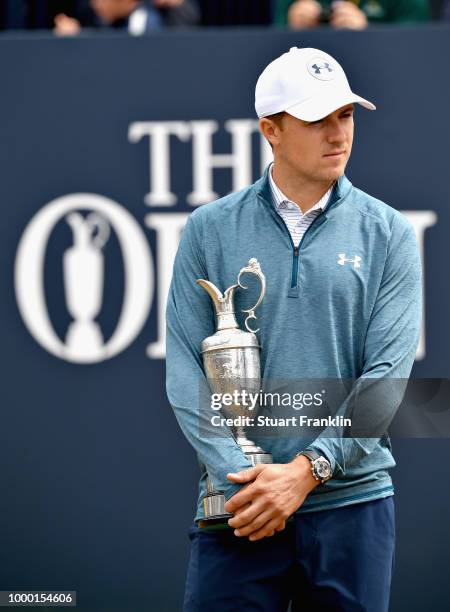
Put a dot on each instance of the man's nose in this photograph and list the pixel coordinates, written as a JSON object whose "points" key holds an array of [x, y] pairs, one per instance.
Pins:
{"points": [[335, 131]]}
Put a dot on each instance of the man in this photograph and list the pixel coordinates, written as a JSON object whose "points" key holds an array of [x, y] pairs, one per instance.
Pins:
{"points": [[350, 14], [343, 302]]}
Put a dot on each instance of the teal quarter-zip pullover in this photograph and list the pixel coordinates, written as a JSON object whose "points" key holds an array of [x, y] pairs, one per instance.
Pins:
{"points": [[344, 305]]}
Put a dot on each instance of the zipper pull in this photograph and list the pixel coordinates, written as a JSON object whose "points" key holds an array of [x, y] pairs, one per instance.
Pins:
{"points": [[295, 251]]}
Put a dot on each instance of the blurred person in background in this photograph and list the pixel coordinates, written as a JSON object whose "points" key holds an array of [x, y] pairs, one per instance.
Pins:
{"points": [[350, 14], [135, 16]]}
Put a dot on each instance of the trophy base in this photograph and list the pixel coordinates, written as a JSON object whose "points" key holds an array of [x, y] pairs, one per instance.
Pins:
{"points": [[214, 502], [214, 507], [219, 522]]}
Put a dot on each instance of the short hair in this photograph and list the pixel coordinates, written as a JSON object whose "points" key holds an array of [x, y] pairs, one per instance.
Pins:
{"points": [[277, 118]]}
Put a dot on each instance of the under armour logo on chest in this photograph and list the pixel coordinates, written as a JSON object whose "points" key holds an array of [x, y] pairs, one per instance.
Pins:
{"points": [[318, 69], [356, 260]]}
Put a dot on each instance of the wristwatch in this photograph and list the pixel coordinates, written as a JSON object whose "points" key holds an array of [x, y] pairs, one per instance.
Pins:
{"points": [[320, 467]]}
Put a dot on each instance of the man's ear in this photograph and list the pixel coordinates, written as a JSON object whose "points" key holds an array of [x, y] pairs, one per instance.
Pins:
{"points": [[270, 130]]}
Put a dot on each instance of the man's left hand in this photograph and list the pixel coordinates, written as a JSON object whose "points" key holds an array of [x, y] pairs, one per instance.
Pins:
{"points": [[275, 492]]}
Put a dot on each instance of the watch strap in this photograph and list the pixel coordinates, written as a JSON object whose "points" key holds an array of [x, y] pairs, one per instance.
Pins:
{"points": [[312, 455]]}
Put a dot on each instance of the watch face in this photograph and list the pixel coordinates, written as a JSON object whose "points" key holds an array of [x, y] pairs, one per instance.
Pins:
{"points": [[322, 468]]}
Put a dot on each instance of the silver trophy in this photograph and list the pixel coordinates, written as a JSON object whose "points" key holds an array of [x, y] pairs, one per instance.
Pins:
{"points": [[232, 365]]}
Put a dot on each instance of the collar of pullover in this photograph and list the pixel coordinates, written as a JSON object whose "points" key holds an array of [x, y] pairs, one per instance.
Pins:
{"points": [[340, 190]]}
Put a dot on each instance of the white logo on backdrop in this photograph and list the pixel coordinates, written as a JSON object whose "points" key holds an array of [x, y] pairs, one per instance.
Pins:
{"points": [[83, 268], [83, 284]]}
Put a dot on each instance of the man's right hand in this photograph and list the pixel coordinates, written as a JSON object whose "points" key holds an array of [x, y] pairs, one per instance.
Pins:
{"points": [[304, 14], [274, 491]]}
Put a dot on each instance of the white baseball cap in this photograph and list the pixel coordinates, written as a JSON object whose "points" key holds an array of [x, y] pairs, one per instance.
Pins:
{"points": [[306, 83]]}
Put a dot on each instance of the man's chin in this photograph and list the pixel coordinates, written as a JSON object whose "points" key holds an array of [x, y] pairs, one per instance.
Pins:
{"points": [[332, 175], [336, 172]]}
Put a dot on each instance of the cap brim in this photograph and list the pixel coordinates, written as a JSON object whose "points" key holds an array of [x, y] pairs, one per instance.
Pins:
{"points": [[318, 108]]}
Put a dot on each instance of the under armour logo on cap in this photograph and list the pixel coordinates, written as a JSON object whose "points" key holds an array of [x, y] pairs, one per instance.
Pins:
{"points": [[317, 68], [321, 68]]}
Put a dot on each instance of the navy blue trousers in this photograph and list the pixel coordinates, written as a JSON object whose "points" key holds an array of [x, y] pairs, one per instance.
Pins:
{"points": [[338, 560]]}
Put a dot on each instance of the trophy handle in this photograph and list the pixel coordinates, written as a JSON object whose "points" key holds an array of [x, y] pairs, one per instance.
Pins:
{"points": [[95, 221], [253, 268]]}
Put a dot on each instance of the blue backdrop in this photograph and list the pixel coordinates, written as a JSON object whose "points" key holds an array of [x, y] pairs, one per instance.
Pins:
{"points": [[98, 486]]}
